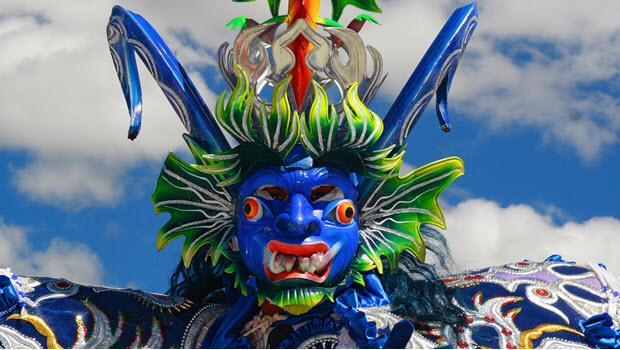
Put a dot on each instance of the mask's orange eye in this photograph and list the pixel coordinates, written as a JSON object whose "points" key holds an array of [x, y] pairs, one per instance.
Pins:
{"points": [[252, 209], [345, 212]]}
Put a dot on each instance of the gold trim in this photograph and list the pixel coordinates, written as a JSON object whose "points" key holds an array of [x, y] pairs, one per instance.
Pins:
{"points": [[41, 327], [527, 336]]}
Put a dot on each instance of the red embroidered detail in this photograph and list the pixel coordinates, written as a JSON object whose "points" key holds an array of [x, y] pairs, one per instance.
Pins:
{"points": [[542, 292], [461, 344], [506, 332], [460, 329], [511, 346], [469, 320], [489, 318], [63, 285], [474, 277], [523, 263]]}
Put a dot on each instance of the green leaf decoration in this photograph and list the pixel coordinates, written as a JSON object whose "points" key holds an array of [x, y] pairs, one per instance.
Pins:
{"points": [[237, 267], [328, 22], [296, 301], [280, 131], [227, 165], [236, 116], [277, 19], [390, 216], [365, 126], [362, 265], [200, 211], [358, 278], [275, 136], [238, 22], [320, 138], [378, 165], [366, 5], [320, 126], [366, 17], [274, 5]]}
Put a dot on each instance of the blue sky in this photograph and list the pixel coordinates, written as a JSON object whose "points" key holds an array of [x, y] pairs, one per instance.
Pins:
{"points": [[534, 108]]}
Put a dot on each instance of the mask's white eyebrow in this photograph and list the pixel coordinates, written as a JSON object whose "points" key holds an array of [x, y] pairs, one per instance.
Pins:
{"points": [[333, 194], [265, 193]]}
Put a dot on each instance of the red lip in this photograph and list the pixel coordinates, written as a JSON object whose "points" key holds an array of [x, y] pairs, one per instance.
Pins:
{"points": [[297, 249]]}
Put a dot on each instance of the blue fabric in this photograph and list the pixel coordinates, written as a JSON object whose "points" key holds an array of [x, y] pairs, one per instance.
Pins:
{"points": [[315, 326], [399, 335], [558, 258], [363, 332], [599, 331], [8, 296], [372, 294]]}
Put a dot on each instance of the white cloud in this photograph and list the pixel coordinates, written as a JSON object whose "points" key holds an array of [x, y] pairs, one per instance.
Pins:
{"points": [[72, 183], [482, 233], [62, 103], [565, 49], [61, 258]]}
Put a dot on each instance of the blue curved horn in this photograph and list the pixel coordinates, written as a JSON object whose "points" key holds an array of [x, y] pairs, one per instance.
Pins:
{"points": [[130, 34], [432, 76]]}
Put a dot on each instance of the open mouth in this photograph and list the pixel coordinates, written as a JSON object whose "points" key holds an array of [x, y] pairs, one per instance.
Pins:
{"points": [[284, 261]]}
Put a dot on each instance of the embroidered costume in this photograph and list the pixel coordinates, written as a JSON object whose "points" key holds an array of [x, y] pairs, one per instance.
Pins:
{"points": [[298, 231]]}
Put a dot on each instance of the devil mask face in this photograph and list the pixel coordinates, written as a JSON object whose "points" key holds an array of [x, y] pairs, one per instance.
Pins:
{"points": [[299, 232], [297, 227]]}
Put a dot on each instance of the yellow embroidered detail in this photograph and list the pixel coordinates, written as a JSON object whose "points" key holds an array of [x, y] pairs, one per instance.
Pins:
{"points": [[41, 327], [527, 336]]}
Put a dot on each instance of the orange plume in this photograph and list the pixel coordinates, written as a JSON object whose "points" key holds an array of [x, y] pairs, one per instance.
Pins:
{"points": [[307, 10]]}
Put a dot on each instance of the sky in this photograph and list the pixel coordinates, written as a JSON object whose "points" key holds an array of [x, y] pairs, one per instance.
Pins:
{"points": [[534, 108]]}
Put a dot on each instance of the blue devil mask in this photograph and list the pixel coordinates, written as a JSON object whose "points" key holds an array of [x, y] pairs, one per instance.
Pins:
{"points": [[297, 229], [284, 204]]}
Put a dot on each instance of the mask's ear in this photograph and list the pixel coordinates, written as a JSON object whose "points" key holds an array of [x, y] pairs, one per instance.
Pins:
{"points": [[390, 216], [200, 210]]}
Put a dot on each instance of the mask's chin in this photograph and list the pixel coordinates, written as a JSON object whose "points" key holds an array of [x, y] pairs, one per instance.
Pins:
{"points": [[298, 275], [296, 300]]}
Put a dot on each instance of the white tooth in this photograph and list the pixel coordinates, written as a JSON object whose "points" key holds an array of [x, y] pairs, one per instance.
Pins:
{"points": [[289, 262], [277, 259], [275, 263], [272, 257], [276, 271], [315, 261], [304, 262], [327, 259]]}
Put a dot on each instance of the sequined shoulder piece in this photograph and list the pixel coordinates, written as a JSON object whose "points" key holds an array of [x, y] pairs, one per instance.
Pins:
{"points": [[531, 304], [64, 314]]}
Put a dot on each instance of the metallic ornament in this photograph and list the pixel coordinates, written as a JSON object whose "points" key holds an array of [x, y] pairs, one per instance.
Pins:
{"points": [[10, 338]]}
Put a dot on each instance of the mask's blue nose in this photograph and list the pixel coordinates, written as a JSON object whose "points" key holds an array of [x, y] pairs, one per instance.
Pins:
{"points": [[298, 219]]}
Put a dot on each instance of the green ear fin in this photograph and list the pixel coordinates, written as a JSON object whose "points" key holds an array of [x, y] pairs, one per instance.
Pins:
{"points": [[390, 216], [199, 210]]}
